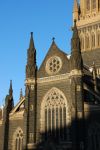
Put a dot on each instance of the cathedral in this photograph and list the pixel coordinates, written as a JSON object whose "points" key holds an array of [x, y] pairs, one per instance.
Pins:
{"points": [[61, 106]]}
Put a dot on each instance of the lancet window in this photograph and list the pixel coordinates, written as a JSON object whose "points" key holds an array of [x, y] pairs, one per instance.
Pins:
{"points": [[18, 140]]}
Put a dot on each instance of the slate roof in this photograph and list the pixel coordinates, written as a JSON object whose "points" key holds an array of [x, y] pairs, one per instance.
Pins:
{"points": [[91, 56]]}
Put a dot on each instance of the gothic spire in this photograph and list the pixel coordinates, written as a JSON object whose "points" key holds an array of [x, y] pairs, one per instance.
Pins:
{"points": [[31, 59], [10, 89], [21, 93], [31, 46], [76, 58], [75, 39], [75, 10], [75, 6]]}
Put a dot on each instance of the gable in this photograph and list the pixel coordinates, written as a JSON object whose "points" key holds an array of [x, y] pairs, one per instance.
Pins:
{"points": [[55, 63], [18, 110]]}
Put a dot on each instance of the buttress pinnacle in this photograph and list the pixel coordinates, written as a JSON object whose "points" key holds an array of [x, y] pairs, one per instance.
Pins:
{"points": [[10, 89], [31, 46]]}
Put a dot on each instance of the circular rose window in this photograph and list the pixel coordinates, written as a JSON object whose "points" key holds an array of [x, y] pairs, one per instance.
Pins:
{"points": [[53, 65]]}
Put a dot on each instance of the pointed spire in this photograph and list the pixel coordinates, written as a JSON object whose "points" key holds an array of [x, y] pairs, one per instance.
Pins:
{"points": [[31, 46], [10, 89], [21, 94], [53, 39], [76, 58], [75, 10], [75, 38], [31, 59]]}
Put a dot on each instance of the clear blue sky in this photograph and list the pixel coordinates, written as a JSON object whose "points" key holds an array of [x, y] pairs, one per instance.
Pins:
{"points": [[47, 19]]}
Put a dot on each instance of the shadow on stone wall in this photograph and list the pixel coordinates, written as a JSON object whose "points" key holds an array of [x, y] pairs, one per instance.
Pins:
{"points": [[74, 137], [65, 138]]}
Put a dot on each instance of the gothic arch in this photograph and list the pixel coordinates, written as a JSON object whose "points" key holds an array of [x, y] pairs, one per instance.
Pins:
{"points": [[55, 113], [94, 136], [17, 143]]}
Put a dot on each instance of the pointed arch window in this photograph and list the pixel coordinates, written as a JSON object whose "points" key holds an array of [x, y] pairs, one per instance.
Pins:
{"points": [[93, 4], [87, 41], [18, 140], [93, 40], [55, 109]]}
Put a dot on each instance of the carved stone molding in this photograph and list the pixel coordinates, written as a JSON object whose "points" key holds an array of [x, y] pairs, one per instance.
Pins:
{"points": [[53, 78]]}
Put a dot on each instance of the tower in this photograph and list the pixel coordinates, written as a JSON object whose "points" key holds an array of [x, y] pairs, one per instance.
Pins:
{"points": [[76, 75], [9, 104], [88, 23], [30, 97]]}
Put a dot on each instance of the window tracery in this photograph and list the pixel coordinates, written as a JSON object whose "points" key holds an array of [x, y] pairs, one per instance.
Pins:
{"points": [[53, 65], [56, 114], [18, 139]]}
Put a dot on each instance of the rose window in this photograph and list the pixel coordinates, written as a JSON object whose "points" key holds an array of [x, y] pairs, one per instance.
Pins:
{"points": [[53, 65]]}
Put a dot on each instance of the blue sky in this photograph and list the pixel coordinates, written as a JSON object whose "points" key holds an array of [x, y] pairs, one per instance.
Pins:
{"points": [[47, 19]]}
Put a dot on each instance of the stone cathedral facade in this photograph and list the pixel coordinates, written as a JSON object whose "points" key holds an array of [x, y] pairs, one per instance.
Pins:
{"points": [[61, 106]]}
